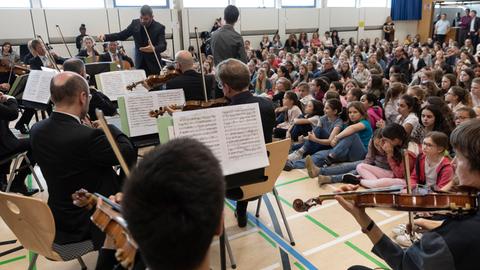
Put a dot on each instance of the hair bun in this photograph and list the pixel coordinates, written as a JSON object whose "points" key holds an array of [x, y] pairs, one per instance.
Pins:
{"points": [[82, 25]]}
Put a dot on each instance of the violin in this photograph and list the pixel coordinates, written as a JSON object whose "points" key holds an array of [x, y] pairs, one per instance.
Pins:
{"points": [[162, 110], [108, 218], [17, 69], [153, 80], [458, 203]]}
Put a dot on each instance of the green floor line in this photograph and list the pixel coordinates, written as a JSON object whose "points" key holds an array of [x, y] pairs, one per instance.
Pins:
{"points": [[336, 235], [292, 181], [13, 260], [299, 266]]}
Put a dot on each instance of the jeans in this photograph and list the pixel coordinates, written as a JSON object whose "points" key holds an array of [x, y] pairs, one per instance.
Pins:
{"points": [[298, 130], [310, 147], [336, 172]]}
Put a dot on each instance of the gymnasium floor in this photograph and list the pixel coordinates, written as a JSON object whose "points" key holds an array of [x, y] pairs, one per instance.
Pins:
{"points": [[327, 237]]}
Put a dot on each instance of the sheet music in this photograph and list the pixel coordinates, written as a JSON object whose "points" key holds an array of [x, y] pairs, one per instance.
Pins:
{"points": [[37, 88], [233, 133], [114, 84], [139, 105]]}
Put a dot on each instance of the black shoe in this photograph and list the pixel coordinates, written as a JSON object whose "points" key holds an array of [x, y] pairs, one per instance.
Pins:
{"points": [[328, 161], [23, 190], [241, 219], [349, 178], [22, 128], [288, 167]]}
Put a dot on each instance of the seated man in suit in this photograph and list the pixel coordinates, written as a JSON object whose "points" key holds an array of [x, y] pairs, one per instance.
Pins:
{"points": [[10, 145], [98, 100], [179, 231], [74, 156], [234, 79], [114, 54], [36, 63], [189, 79]]}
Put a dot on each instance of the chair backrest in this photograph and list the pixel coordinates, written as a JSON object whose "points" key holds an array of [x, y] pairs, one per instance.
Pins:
{"points": [[277, 156], [31, 220]]}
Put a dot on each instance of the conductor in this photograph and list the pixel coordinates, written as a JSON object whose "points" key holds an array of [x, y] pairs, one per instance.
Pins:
{"points": [[144, 52]]}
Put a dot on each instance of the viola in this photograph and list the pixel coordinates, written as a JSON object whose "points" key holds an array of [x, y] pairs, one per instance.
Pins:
{"points": [[457, 203], [17, 69], [108, 218]]}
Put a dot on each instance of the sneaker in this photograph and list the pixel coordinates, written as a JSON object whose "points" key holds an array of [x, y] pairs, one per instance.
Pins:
{"points": [[350, 179], [400, 229], [288, 166], [404, 239], [313, 171], [295, 155], [324, 179], [328, 161]]}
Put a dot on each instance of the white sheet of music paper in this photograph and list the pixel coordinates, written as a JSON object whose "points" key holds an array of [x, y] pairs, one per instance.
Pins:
{"points": [[139, 105], [37, 88], [114, 83], [233, 133]]}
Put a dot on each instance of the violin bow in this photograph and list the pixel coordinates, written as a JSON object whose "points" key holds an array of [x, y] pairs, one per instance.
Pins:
{"points": [[154, 51], [63, 39], [406, 166], [201, 65], [111, 140], [49, 54]]}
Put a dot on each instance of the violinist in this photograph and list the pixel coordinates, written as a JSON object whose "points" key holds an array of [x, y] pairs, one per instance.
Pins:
{"points": [[180, 229], [452, 245], [73, 156], [8, 58], [42, 60], [189, 79]]}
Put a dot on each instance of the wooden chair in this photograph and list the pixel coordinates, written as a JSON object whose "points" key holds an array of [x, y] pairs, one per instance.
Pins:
{"points": [[17, 162], [277, 156], [31, 220]]}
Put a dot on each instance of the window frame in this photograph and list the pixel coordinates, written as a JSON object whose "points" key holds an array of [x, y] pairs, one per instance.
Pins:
{"points": [[167, 6], [384, 6], [313, 6], [63, 7], [274, 4], [29, 7], [229, 2], [355, 5]]}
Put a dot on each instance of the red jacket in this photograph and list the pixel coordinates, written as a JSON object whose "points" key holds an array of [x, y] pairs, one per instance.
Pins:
{"points": [[444, 172], [398, 168]]}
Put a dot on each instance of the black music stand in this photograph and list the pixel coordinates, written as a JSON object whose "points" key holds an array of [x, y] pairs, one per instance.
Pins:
{"points": [[17, 90], [93, 69]]}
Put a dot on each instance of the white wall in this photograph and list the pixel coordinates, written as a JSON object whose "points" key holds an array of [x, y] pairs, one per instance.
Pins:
{"points": [[253, 23]]}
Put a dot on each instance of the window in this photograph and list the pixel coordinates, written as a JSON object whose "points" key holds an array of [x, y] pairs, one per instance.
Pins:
{"points": [[373, 3], [341, 3], [15, 4], [138, 3], [255, 3], [206, 3], [73, 4], [298, 3]]}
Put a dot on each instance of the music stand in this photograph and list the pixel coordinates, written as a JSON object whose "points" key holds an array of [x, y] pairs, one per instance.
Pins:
{"points": [[17, 90], [93, 69]]}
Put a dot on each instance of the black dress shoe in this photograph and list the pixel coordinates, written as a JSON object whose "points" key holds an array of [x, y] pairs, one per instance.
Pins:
{"points": [[23, 190], [328, 161], [22, 128], [349, 178], [288, 167]]}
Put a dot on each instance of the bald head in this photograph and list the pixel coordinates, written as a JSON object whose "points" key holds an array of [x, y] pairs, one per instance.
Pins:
{"points": [[184, 60], [66, 87]]}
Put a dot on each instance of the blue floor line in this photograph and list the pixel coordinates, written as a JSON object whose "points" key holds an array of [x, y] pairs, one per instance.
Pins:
{"points": [[280, 241]]}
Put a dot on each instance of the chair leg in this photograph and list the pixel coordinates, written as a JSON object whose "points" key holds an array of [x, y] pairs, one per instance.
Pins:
{"points": [[33, 261], [12, 173], [34, 174], [259, 203], [229, 250], [82, 263], [290, 236]]}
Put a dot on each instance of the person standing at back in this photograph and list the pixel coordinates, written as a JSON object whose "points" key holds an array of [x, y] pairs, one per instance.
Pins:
{"points": [[226, 42]]}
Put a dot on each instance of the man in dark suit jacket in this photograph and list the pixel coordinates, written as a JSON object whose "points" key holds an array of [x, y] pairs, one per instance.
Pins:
{"points": [[74, 156], [144, 52], [401, 61], [10, 145], [114, 54], [235, 79], [474, 28], [36, 63], [190, 80]]}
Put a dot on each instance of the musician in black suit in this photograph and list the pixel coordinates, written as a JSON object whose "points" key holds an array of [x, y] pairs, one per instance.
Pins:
{"points": [[74, 156], [36, 63], [10, 145], [115, 54], [234, 79], [144, 52], [98, 99], [189, 79]]}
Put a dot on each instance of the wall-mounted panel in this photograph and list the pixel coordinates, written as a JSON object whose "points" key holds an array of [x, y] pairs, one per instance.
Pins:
{"points": [[202, 18], [16, 25], [343, 17], [250, 18], [301, 18], [163, 16], [69, 21], [375, 16], [324, 20]]}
